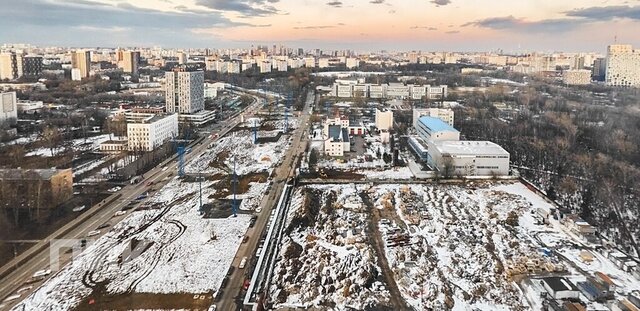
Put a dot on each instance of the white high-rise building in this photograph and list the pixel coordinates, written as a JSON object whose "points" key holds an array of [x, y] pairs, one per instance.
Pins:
{"points": [[623, 65], [184, 91], [151, 132], [384, 119], [8, 107]]}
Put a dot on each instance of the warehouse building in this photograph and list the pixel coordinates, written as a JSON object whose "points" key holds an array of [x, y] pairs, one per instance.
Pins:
{"points": [[434, 129], [560, 288], [468, 158]]}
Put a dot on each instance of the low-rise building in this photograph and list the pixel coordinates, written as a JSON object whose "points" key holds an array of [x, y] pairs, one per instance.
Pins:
{"points": [[114, 146], [38, 190], [150, 133], [576, 77], [444, 114], [337, 142], [560, 288], [434, 129], [468, 158]]}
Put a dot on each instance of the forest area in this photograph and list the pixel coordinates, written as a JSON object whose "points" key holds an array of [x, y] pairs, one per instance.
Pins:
{"points": [[583, 153]]}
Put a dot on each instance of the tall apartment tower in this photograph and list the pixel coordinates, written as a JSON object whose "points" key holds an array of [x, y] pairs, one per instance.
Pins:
{"points": [[184, 91], [81, 60], [10, 66], [623, 65], [32, 66], [129, 61]]}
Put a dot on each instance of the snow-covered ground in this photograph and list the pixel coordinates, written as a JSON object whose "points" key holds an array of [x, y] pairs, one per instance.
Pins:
{"points": [[188, 254], [80, 144], [460, 246], [325, 260], [249, 157]]}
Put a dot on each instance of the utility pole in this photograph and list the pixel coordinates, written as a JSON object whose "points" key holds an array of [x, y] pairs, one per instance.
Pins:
{"points": [[234, 205]]}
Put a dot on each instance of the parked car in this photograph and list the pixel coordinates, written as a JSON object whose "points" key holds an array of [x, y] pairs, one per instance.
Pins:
{"points": [[120, 213], [79, 208], [243, 263], [104, 225]]}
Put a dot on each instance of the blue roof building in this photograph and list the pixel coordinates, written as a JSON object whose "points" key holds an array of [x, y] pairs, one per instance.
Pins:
{"points": [[434, 129]]}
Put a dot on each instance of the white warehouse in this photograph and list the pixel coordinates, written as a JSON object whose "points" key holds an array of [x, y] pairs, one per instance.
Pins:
{"points": [[152, 132], [468, 158]]}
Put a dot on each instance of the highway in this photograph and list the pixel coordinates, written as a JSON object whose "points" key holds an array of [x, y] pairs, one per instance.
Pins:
{"points": [[230, 299], [40, 259]]}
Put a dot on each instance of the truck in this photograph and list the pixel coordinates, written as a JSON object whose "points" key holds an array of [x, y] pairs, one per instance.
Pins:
{"points": [[136, 179]]}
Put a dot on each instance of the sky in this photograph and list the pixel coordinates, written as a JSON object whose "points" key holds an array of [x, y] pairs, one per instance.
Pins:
{"points": [[361, 25]]}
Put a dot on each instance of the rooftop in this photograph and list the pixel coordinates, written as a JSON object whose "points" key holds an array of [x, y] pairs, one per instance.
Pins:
{"points": [[436, 124], [469, 148], [559, 284]]}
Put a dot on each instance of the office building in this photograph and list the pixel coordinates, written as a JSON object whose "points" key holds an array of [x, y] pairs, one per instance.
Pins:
{"points": [[443, 114], [576, 77], [184, 91], [8, 108], [623, 66], [81, 60], [384, 119], [151, 132], [434, 129]]}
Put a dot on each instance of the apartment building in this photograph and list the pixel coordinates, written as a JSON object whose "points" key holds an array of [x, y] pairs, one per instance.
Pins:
{"points": [[623, 66]]}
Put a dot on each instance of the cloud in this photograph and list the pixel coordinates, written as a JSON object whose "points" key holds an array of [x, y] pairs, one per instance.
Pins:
{"points": [[335, 4], [606, 13], [377, 1], [452, 32], [518, 24], [244, 7], [424, 27], [78, 21], [441, 2], [314, 27], [573, 20]]}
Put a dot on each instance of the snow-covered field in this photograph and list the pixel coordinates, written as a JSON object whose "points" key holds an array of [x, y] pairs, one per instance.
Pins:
{"points": [[249, 157], [325, 260], [187, 254]]}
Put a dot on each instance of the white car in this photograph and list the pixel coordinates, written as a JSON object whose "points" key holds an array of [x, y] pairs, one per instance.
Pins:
{"points": [[120, 213], [243, 263], [41, 273], [165, 168], [212, 308], [93, 233], [114, 189], [259, 209]]}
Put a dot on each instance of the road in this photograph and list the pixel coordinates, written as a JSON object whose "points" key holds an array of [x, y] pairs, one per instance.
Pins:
{"points": [[282, 174], [41, 259]]}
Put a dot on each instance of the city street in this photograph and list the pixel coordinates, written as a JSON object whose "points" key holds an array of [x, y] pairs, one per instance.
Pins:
{"points": [[159, 176], [282, 174]]}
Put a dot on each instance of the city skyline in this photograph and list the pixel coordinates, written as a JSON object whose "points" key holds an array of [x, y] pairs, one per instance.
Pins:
{"points": [[362, 25]]}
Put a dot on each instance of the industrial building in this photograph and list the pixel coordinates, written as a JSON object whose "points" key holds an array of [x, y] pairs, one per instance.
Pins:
{"points": [[434, 129], [468, 158], [560, 288], [443, 114]]}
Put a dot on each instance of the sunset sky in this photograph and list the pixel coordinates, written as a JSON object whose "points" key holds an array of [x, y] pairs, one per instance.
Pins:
{"points": [[363, 25]]}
